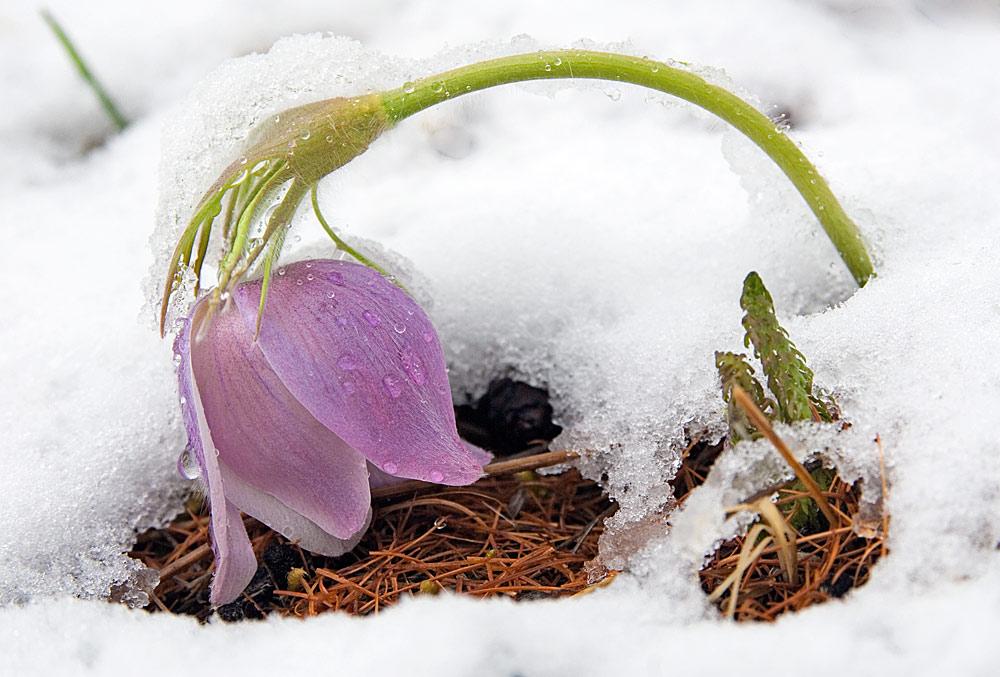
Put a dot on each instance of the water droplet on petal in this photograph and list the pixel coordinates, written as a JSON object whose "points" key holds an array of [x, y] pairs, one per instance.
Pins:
{"points": [[390, 468], [399, 328], [310, 277], [371, 318], [281, 271], [299, 281], [187, 464], [436, 476], [414, 367], [393, 386]]}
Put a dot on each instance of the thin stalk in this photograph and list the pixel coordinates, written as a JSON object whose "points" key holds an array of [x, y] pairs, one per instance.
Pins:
{"points": [[119, 120], [416, 96], [338, 241]]}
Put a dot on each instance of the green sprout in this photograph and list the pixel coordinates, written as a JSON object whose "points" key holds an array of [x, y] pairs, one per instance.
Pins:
{"points": [[789, 379], [302, 145]]}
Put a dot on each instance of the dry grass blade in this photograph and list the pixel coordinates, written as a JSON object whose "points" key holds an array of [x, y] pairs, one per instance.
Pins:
{"points": [[764, 426], [830, 561]]}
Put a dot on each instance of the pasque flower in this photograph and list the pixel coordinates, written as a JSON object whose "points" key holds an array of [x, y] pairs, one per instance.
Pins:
{"points": [[346, 383]]}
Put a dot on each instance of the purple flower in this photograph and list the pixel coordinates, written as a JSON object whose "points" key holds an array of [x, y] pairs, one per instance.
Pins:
{"points": [[346, 378]]}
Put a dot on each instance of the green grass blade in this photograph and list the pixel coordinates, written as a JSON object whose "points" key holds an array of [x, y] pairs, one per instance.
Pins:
{"points": [[119, 120]]}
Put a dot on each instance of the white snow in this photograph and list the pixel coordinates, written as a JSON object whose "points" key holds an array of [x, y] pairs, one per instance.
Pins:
{"points": [[589, 239]]}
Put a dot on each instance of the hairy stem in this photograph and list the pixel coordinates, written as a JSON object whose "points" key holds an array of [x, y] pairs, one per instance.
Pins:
{"points": [[563, 64]]}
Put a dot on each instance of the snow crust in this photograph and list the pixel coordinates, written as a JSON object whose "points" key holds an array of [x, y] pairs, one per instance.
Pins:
{"points": [[591, 240]]}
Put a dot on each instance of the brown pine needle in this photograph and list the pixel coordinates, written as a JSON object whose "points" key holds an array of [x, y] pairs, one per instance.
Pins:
{"points": [[760, 422]]}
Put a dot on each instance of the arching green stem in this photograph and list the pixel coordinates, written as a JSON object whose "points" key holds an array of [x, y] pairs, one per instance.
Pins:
{"points": [[563, 64]]}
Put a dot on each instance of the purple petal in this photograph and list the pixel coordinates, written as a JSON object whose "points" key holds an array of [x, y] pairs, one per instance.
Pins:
{"points": [[235, 563], [482, 456], [284, 520], [364, 359], [269, 440]]}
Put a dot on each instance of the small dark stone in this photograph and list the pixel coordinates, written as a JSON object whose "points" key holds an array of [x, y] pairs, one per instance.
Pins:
{"points": [[841, 586], [510, 416], [231, 612], [280, 558]]}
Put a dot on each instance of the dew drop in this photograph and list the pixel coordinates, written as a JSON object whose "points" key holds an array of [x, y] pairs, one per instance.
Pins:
{"points": [[393, 386], [399, 328], [371, 318], [409, 87], [414, 367], [310, 277], [557, 62], [329, 138], [187, 464], [437, 87], [281, 271], [299, 282], [437, 476], [548, 67], [390, 468]]}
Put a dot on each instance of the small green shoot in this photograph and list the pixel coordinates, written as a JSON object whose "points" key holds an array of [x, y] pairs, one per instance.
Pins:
{"points": [[115, 115], [788, 377], [734, 370]]}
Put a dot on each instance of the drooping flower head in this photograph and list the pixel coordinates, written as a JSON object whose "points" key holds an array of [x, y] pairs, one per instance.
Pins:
{"points": [[347, 371]]}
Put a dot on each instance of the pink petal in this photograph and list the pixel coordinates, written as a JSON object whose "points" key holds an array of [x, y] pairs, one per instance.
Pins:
{"points": [[269, 440], [284, 520], [235, 563], [364, 359]]}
